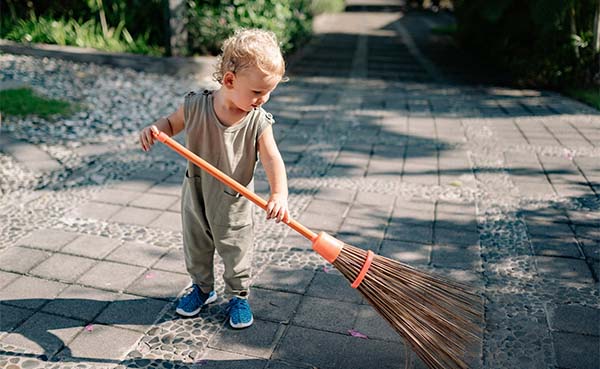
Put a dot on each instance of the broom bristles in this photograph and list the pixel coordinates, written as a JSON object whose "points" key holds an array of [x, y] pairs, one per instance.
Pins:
{"points": [[437, 317]]}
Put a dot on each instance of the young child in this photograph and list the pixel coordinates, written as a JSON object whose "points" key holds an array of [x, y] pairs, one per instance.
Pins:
{"points": [[229, 129]]}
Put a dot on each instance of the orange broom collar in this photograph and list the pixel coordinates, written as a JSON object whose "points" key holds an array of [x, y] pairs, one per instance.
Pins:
{"points": [[364, 270]]}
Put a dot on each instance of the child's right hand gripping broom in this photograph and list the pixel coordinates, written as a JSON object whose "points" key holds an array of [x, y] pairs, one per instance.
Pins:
{"points": [[439, 318]]}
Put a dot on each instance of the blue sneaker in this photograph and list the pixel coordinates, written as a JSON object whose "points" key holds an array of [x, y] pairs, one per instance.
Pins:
{"points": [[240, 315], [192, 302]]}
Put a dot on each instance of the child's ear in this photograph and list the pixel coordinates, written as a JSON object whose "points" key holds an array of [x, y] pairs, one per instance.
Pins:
{"points": [[228, 79]]}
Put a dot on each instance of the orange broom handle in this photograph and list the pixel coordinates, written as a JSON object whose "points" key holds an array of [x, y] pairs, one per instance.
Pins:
{"points": [[225, 179]]}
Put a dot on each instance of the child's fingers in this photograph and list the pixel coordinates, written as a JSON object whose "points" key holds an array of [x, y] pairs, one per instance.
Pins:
{"points": [[270, 207]]}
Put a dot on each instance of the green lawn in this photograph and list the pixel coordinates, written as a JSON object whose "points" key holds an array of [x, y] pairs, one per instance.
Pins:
{"points": [[588, 96], [24, 101]]}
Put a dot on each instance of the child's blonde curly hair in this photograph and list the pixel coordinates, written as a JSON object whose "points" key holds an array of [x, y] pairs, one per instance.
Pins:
{"points": [[248, 48]]}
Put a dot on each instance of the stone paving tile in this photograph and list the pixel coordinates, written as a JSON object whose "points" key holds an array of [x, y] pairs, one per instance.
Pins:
{"points": [[217, 359], [111, 276], [30, 292], [172, 261], [102, 342], [139, 216], [154, 201], [91, 246], [334, 286], [159, 284], [281, 279], [21, 259], [79, 302], [131, 312], [65, 268], [12, 317], [44, 334], [326, 314], [168, 220], [407, 252], [114, 196], [371, 324], [137, 253], [258, 340], [576, 351], [564, 268], [575, 319], [305, 345], [47, 239], [95, 210], [565, 247], [6, 278], [273, 306]]}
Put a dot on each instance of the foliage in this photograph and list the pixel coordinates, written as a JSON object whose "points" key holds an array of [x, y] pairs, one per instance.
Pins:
{"points": [[137, 25], [24, 101], [327, 6], [87, 34], [542, 42], [588, 96], [212, 21]]}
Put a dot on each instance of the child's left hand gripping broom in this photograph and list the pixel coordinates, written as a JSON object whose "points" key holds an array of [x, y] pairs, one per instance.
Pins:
{"points": [[439, 318]]}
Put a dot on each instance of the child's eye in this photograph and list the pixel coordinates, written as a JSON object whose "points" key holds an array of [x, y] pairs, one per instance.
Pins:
{"points": [[257, 92]]}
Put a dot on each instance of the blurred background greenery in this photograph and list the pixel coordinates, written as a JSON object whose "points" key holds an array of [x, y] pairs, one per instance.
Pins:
{"points": [[540, 43]]}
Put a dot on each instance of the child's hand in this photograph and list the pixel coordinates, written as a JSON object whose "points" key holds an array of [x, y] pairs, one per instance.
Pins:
{"points": [[277, 208], [146, 138]]}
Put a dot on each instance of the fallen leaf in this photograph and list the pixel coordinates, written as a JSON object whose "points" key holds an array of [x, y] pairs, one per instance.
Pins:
{"points": [[456, 183], [355, 333]]}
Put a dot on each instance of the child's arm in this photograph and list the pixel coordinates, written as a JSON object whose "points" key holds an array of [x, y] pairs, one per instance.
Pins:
{"points": [[271, 160], [171, 125]]}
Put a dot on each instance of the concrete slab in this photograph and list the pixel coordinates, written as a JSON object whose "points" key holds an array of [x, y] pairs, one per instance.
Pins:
{"points": [[48, 239], [575, 319], [326, 314], [159, 284], [136, 216], [305, 345], [576, 351], [65, 268], [131, 312], [30, 292], [282, 279], [277, 307], [137, 253], [100, 343], [111, 276], [91, 246], [258, 340], [80, 302], [21, 259], [44, 334], [333, 286]]}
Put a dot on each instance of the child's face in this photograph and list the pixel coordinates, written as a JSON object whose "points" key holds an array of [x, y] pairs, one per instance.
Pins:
{"points": [[252, 88]]}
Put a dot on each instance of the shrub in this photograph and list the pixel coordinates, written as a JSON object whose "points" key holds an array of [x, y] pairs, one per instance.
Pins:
{"points": [[211, 21], [541, 42]]}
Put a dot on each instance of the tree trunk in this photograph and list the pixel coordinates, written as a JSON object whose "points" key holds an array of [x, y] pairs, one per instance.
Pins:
{"points": [[597, 28], [176, 42], [574, 31]]}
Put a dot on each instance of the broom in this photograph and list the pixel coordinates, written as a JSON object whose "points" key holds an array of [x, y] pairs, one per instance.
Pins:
{"points": [[438, 318]]}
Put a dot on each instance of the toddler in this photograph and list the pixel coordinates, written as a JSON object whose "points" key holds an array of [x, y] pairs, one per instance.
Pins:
{"points": [[228, 128]]}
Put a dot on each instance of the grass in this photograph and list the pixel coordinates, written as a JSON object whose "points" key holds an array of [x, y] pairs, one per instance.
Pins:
{"points": [[589, 96], [24, 101]]}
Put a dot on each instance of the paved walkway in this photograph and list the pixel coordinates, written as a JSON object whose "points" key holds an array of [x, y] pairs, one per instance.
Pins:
{"points": [[387, 147]]}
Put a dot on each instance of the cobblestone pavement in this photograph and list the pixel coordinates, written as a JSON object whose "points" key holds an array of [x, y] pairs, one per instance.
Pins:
{"points": [[386, 148]]}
